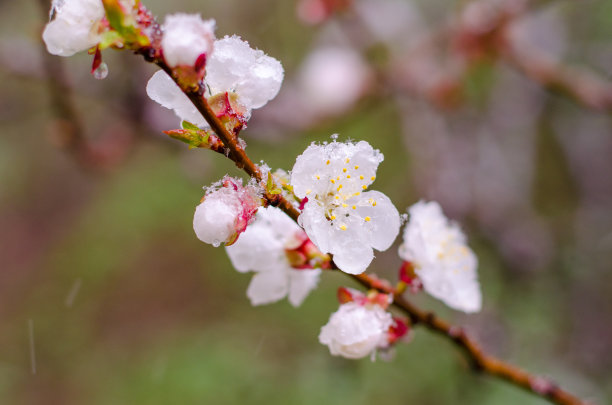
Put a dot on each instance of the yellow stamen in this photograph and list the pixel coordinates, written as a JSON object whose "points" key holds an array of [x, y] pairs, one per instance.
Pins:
{"points": [[360, 177], [308, 191], [333, 181], [337, 197], [348, 160], [354, 207], [373, 178], [367, 219], [344, 205], [374, 204], [332, 217], [327, 162], [356, 167], [344, 170], [364, 187], [318, 177], [343, 227], [348, 176]]}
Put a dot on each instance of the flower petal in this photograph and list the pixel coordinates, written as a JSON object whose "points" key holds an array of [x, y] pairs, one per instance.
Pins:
{"points": [[162, 89], [301, 283], [353, 256], [268, 286], [382, 221]]}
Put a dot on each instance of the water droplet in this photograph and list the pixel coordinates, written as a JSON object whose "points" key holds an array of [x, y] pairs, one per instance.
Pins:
{"points": [[101, 71], [334, 137]]}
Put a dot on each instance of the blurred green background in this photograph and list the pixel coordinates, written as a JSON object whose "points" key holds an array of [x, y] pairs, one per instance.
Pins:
{"points": [[102, 277]]}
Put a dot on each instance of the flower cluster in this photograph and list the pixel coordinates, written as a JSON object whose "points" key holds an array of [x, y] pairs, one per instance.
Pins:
{"points": [[339, 219], [435, 250], [339, 215], [246, 78]]}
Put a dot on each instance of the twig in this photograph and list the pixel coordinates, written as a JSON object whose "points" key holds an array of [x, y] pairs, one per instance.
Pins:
{"points": [[479, 360]]}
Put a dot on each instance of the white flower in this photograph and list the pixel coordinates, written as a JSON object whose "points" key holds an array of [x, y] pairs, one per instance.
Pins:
{"points": [[225, 212], [437, 250], [355, 330], [73, 26], [235, 67], [332, 79], [340, 217], [262, 248], [232, 67], [186, 37]]}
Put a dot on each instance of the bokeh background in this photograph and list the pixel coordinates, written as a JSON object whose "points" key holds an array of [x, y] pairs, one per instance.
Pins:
{"points": [[107, 297]]}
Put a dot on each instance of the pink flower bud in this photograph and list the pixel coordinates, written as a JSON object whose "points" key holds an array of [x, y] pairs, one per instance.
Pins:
{"points": [[225, 212]]}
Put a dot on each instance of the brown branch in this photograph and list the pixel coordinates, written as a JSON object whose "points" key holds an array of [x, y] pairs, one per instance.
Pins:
{"points": [[480, 361]]}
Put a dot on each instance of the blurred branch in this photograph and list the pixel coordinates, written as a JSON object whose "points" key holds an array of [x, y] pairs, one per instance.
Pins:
{"points": [[69, 131], [583, 86], [69, 128], [486, 36]]}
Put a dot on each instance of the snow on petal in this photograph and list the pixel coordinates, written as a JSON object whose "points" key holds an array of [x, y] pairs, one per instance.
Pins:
{"points": [[186, 37], [437, 250], [235, 67], [163, 90], [340, 217], [355, 330], [73, 26], [225, 211]]}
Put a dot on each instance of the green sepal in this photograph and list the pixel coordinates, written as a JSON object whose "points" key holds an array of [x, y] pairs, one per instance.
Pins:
{"points": [[189, 125], [271, 186], [195, 138], [124, 24]]}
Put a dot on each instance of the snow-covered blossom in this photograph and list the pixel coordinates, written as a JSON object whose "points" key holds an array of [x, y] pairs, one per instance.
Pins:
{"points": [[186, 38], [270, 247], [437, 251], [233, 67], [356, 331], [73, 26], [225, 211], [339, 216]]}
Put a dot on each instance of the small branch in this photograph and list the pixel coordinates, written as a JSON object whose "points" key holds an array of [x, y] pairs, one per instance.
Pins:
{"points": [[579, 84], [479, 360], [236, 152]]}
